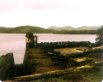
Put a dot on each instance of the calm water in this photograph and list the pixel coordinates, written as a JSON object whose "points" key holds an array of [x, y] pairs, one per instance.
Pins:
{"points": [[16, 42]]}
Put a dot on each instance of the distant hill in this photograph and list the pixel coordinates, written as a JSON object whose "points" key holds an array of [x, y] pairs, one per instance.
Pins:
{"points": [[88, 28], [61, 28], [22, 29], [72, 28], [52, 29], [27, 28]]}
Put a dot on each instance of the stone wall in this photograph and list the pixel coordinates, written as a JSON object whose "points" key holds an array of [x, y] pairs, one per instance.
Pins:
{"points": [[6, 66], [53, 45]]}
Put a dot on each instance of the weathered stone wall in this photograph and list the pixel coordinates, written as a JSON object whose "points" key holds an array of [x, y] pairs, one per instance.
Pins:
{"points": [[53, 45], [6, 66]]}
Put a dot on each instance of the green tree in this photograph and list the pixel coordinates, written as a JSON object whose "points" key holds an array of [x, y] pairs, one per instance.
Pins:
{"points": [[99, 39]]}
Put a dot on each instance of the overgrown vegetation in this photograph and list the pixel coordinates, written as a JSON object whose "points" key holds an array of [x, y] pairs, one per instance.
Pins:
{"points": [[99, 38], [86, 68]]}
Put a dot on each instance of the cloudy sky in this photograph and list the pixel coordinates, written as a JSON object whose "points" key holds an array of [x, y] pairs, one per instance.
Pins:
{"points": [[47, 13]]}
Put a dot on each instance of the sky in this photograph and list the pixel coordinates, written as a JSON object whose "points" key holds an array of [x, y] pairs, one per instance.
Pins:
{"points": [[46, 13]]}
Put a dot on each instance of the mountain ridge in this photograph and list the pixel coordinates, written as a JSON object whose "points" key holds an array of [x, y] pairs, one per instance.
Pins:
{"points": [[72, 28], [52, 29]]}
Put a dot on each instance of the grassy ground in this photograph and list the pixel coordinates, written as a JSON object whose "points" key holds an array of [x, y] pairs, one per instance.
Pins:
{"points": [[75, 77], [93, 76], [87, 68], [93, 59]]}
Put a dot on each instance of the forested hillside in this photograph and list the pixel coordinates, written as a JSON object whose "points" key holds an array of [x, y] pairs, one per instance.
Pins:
{"points": [[36, 29]]}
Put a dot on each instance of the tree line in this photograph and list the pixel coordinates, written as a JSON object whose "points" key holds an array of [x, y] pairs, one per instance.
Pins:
{"points": [[36, 29]]}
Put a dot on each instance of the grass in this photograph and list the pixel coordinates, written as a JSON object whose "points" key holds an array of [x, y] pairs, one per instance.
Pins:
{"points": [[76, 76], [93, 76], [68, 51], [88, 73]]}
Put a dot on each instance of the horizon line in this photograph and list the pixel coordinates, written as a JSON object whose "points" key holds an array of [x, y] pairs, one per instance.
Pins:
{"points": [[53, 26]]}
